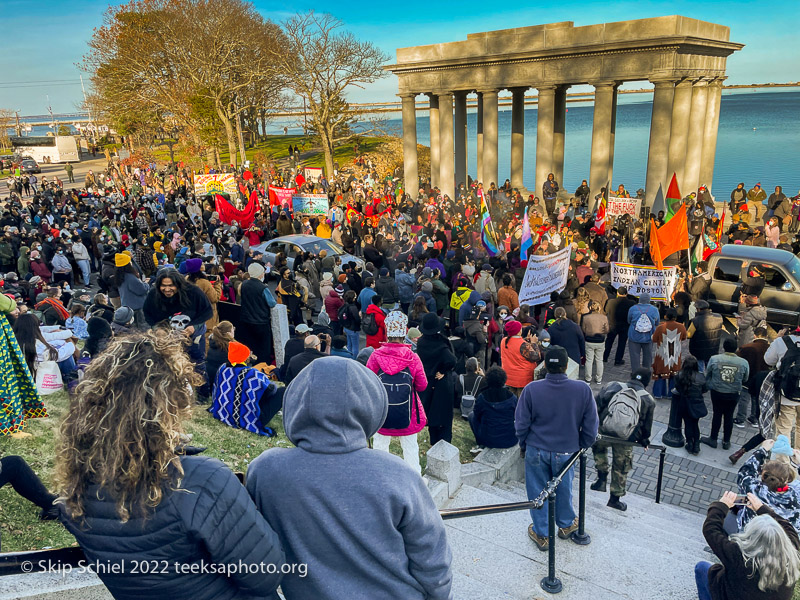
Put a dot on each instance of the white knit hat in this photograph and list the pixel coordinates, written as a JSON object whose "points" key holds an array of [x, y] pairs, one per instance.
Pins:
{"points": [[256, 270], [396, 325]]}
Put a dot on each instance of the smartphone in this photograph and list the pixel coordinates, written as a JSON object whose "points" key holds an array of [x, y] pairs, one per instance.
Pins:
{"points": [[740, 501]]}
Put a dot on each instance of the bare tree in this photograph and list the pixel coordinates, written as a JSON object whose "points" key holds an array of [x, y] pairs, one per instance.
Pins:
{"points": [[322, 63], [6, 123]]}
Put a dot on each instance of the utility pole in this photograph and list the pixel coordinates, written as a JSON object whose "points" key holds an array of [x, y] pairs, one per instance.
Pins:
{"points": [[19, 129], [88, 108]]}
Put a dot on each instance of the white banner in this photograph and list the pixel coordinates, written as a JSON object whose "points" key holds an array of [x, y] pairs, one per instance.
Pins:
{"points": [[545, 274], [617, 206], [659, 283]]}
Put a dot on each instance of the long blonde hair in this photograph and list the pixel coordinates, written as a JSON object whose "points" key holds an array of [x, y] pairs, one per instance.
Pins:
{"points": [[222, 335], [768, 553], [124, 422]]}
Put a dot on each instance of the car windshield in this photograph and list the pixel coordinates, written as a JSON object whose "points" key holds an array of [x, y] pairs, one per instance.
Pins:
{"points": [[793, 266], [314, 246]]}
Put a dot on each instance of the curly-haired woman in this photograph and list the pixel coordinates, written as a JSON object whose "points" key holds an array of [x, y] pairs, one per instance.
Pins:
{"points": [[131, 500]]}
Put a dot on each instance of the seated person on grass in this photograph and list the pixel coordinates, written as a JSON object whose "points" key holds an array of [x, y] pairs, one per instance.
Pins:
{"points": [[244, 397]]}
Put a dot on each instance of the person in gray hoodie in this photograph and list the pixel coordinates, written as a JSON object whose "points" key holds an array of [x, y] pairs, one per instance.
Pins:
{"points": [[362, 520]]}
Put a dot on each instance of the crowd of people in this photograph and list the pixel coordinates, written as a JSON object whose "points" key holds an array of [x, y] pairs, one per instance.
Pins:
{"points": [[114, 290]]}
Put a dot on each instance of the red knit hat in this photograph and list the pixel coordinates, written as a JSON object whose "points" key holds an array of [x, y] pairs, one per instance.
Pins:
{"points": [[513, 328], [238, 353]]}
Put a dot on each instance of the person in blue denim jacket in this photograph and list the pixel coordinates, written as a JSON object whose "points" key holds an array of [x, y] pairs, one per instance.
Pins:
{"points": [[643, 318], [725, 374]]}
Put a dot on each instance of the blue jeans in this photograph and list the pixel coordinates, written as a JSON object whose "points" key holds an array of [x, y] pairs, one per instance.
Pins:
{"points": [[540, 467], [352, 341], [640, 353], [86, 269], [662, 388], [701, 578], [67, 366]]}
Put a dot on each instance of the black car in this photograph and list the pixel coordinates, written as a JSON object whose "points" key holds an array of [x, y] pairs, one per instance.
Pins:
{"points": [[30, 166], [733, 265]]}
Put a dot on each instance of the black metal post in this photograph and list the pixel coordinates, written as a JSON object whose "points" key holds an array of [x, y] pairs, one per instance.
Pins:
{"points": [[551, 584], [580, 537], [661, 458], [673, 436]]}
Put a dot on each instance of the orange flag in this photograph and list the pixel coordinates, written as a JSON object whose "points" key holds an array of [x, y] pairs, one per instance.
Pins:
{"points": [[669, 238]]}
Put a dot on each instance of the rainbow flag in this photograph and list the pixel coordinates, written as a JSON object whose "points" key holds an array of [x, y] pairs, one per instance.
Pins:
{"points": [[487, 231], [527, 240], [673, 200]]}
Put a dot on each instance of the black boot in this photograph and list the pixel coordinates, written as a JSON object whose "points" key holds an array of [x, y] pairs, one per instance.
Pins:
{"points": [[696, 447], [708, 441], [600, 484], [615, 502]]}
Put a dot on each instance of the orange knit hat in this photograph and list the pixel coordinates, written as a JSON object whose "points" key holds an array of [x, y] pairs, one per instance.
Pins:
{"points": [[238, 353]]}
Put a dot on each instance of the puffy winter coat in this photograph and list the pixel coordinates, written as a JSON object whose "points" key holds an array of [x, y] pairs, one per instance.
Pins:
{"points": [[333, 302], [391, 359], [405, 285], [213, 521], [374, 341]]}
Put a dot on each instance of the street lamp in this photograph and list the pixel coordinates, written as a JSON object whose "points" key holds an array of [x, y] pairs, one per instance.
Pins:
{"points": [[169, 139]]}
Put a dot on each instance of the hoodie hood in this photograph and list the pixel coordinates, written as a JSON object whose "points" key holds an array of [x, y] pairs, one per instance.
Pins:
{"points": [[644, 298], [334, 419]]}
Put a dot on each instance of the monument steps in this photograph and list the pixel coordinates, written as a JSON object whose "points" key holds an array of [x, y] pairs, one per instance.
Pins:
{"points": [[646, 552]]}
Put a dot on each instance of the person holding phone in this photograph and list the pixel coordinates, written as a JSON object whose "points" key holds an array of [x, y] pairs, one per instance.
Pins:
{"points": [[760, 563]]}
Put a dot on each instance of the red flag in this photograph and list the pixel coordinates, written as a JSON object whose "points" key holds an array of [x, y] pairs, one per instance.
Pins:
{"points": [[673, 198], [228, 213]]}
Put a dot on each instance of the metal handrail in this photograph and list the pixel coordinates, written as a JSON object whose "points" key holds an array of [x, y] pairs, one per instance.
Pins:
{"points": [[535, 504]]}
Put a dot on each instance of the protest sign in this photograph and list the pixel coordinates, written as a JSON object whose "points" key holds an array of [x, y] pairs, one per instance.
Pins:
{"points": [[313, 173], [310, 204], [617, 206], [281, 196], [544, 274], [220, 183], [659, 283]]}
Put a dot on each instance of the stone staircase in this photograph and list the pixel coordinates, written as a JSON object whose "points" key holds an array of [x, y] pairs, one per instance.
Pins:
{"points": [[647, 552]]}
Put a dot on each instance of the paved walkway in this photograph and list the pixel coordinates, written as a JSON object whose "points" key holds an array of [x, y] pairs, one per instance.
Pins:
{"points": [[691, 482]]}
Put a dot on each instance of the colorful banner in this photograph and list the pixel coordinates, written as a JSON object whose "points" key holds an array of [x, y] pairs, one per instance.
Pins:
{"points": [[221, 183], [281, 196], [617, 206], [310, 204], [659, 283], [544, 275]]}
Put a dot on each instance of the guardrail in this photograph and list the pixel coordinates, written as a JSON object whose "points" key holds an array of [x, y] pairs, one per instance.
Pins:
{"points": [[551, 583]]}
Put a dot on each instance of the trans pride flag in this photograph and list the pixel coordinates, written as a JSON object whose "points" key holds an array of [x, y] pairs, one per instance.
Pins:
{"points": [[487, 231], [526, 241]]}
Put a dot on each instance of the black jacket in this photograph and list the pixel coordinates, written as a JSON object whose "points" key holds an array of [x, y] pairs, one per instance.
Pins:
{"points": [[213, 522], [617, 313], [159, 309], [386, 288], [437, 356], [568, 334], [300, 361], [689, 393], [492, 419], [704, 342]]}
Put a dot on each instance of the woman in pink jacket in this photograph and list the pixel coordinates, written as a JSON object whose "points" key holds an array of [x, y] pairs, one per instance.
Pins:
{"points": [[390, 359]]}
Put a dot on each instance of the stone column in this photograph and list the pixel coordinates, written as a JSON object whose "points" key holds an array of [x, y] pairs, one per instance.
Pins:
{"points": [[604, 93], [410, 172], [490, 138], [657, 153], [697, 125], [446, 145], [479, 152], [460, 136], [434, 129], [611, 140], [679, 131], [544, 136], [517, 136], [559, 125], [710, 132]]}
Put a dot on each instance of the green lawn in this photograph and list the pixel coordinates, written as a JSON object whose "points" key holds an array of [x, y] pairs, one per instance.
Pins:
{"points": [[276, 147], [20, 527]]}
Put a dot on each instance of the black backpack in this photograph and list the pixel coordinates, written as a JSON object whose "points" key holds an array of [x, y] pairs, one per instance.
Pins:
{"points": [[369, 324], [343, 315], [400, 389], [789, 373]]}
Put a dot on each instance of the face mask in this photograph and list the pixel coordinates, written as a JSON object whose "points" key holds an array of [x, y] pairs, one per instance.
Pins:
{"points": [[545, 343]]}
